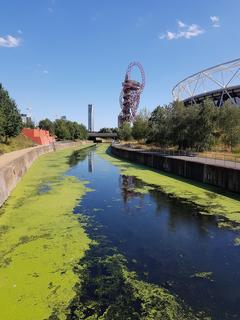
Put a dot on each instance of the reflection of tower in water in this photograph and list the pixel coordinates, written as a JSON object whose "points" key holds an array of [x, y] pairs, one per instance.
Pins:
{"points": [[129, 186], [90, 162]]}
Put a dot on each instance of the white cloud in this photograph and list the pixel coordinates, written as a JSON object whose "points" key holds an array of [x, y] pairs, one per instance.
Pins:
{"points": [[184, 31], [9, 41], [45, 71], [181, 24], [19, 31], [215, 21]]}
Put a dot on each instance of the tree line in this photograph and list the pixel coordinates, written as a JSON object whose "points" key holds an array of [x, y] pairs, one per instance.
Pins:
{"points": [[64, 129], [198, 127], [10, 118], [11, 122]]}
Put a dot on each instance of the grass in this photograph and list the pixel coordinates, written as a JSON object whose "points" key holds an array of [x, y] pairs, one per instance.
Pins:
{"points": [[17, 143], [41, 241]]}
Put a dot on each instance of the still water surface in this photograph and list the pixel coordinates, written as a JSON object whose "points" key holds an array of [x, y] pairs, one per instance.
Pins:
{"points": [[165, 241]]}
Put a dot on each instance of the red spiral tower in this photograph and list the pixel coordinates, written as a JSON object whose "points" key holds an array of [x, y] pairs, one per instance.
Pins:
{"points": [[130, 94]]}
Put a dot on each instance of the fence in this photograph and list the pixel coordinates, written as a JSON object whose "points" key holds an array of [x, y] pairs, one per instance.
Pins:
{"points": [[217, 158]]}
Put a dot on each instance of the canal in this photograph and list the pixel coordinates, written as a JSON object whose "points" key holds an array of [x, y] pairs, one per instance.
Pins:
{"points": [[165, 242], [85, 235]]}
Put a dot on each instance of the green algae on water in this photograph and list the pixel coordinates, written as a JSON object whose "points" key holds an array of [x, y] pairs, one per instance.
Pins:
{"points": [[97, 209], [203, 275], [205, 197], [109, 291], [237, 241], [41, 241]]}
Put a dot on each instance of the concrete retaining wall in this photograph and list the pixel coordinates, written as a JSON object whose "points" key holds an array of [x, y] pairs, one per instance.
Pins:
{"points": [[218, 176], [14, 165]]}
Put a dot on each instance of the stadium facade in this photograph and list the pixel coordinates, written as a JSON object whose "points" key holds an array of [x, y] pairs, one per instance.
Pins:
{"points": [[219, 83]]}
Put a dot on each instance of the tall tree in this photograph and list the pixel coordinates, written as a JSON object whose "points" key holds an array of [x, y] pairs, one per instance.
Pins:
{"points": [[125, 131], [206, 126], [140, 129], [68, 130], [159, 129], [47, 124], [11, 121], [61, 129], [229, 123]]}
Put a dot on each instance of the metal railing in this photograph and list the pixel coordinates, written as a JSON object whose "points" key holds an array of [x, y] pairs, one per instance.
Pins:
{"points": [[221, 159]]}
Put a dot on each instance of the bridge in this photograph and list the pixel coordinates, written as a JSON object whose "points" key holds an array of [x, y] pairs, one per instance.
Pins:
{"points": [[102, 135], [219, 83]]}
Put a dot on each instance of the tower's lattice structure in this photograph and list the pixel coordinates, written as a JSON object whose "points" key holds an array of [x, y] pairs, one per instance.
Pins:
{"points": [[130, 94]]}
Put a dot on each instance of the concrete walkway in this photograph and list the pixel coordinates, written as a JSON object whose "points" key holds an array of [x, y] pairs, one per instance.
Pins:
{"points": [[7, 158], [219, 163], [210, 161], [13, 165]]}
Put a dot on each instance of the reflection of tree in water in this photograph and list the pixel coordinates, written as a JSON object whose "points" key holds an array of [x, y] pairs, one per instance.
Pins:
{"points": [[76, 156], [181, 213], [128, 186]]}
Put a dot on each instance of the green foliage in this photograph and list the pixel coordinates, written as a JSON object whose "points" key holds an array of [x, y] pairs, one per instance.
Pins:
{"points": [[125, 131], [64, 129], [29, 124], [193, 126], [61, 129], [1, 123], [77, 131], [48, 125], [159, 129], [108, 130], [205, 126], [140, 129], [229, 123], [183, 124], [10, 118], [196, 127], [16, 143]]}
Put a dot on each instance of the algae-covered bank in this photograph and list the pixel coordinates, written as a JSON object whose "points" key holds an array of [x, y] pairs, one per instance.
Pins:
{"points": [[157, 257], [40, 241], [207, 198]]}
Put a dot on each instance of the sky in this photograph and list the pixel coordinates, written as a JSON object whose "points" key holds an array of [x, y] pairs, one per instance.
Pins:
{"points": [[58, 56]]}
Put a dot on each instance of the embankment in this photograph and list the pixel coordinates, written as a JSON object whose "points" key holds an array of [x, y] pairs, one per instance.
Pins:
{"points": [[14, 165], [215, 175]]}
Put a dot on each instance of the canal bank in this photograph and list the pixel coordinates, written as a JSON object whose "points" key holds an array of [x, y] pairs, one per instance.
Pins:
{"points": [[209, 200], [41, 240], [166, 242], [129, 251], [218, 173], [14, 165]]}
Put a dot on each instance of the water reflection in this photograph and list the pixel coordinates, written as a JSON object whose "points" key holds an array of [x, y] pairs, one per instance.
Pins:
{"points": [[127, 185], [90, 161], [77, 156], [165, 241]]}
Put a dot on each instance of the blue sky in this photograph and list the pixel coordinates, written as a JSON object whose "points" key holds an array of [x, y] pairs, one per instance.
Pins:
{"points": [[56, 56]]}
